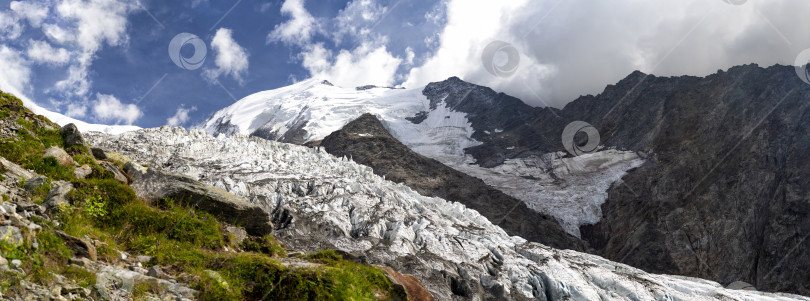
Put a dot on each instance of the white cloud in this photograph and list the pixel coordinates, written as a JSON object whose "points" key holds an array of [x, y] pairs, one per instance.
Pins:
{"points": [[409, 56], [181, 116], [76, 110], [299, 29], [43, 52], [16, 71], [570, 48], [368, 63], [10, 27], [356, 18], [231, 59], [32, 11], [108, 108], [88, 25], [363, 66]]}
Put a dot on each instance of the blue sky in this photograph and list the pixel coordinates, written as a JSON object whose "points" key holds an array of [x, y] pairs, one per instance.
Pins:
{"points": [[138, 69], [108, 61]]}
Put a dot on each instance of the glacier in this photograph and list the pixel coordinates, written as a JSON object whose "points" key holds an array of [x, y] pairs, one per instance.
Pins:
{"points": [[321, 201], [569, 189]]}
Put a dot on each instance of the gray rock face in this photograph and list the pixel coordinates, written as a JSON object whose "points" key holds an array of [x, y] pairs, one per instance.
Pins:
{"points": [[152, 184], [725, 196], [367, 142]]}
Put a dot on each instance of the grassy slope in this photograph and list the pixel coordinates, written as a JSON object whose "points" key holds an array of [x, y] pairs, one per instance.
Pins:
{"points": [[188, 241]]}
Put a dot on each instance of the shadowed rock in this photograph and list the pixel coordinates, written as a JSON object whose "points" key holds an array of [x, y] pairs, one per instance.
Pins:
{"points": [[153, 185], [80, 247], [72, 136]]}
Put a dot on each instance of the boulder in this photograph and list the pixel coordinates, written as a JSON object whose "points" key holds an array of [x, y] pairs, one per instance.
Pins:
{"points": [[238, 233], [98, 153], [8, 208], [156, 272], [115, 171], [11, 235], [82, 172], [72, 136], [23, 206], [60, 155], [152, 184], [57, 197], [15, 171], [33, 184], [80, 247]]}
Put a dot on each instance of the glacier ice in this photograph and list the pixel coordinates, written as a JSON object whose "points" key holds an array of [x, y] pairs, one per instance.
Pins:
{"points": [[334, 203]]}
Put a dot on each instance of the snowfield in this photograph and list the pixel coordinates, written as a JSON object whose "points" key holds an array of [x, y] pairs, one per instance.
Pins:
{"points": [[321, 201]]}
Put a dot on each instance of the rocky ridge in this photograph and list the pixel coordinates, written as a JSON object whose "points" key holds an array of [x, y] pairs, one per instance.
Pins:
{"points": [[367, 142]]}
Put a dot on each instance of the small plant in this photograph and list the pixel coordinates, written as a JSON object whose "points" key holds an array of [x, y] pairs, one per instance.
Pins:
{"points": [[94, 207]]}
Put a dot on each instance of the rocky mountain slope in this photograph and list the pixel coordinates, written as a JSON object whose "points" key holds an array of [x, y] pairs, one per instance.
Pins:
{"points": [[367, 142], [321, 201], [711, 180], [75, 226], [725, 193]]}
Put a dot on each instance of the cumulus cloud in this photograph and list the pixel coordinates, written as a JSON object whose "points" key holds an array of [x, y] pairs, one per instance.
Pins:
{"points": [[16, 71], [576, 47], [87, 24], [76, 110], [181, 116], [107, 108], [231, 59], [298, 29], [362, 66], [34, 12], [369, 62], [43, 52]]}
